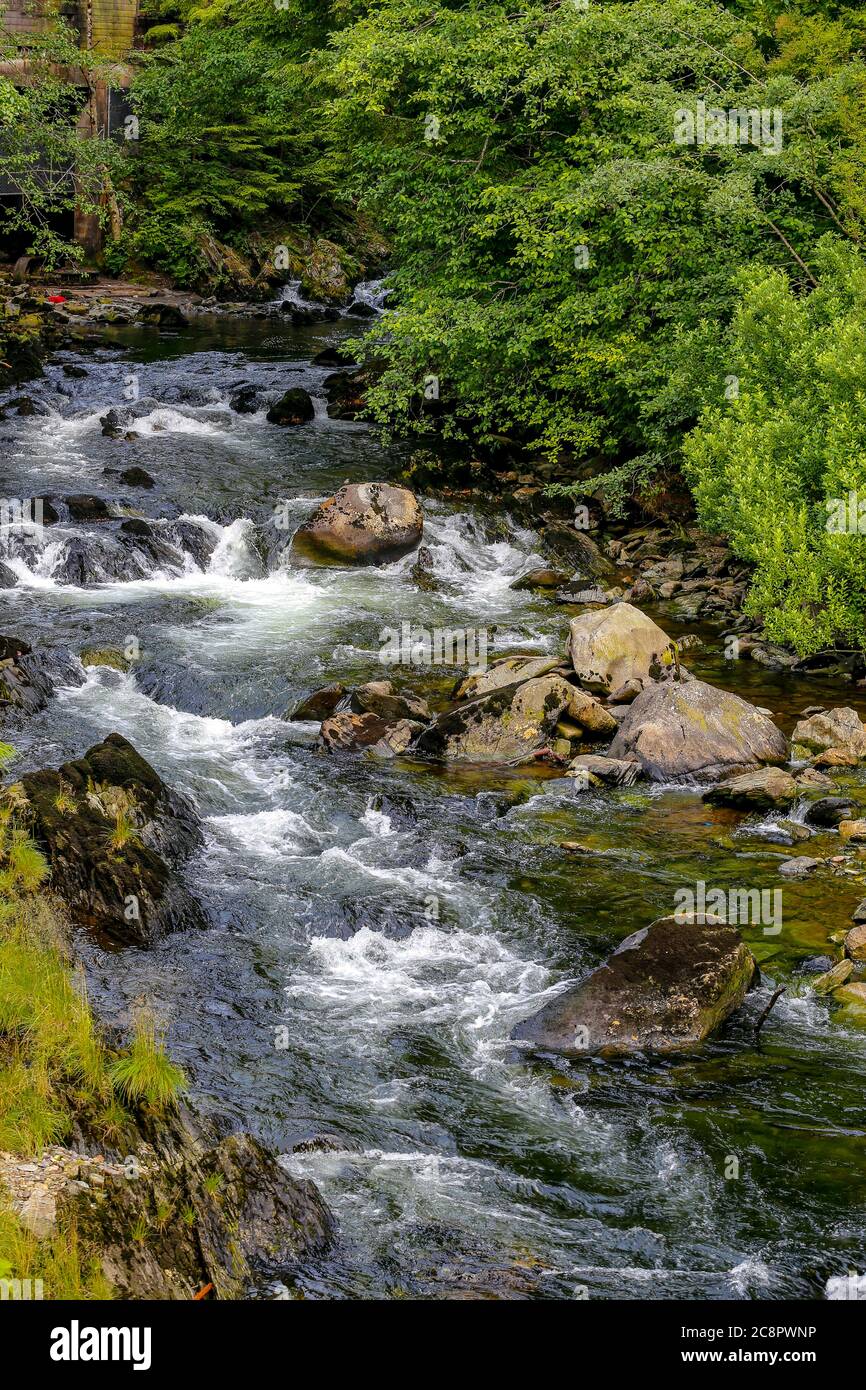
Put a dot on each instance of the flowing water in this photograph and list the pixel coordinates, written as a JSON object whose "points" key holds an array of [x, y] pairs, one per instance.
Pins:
{"points": [[378, 928]]}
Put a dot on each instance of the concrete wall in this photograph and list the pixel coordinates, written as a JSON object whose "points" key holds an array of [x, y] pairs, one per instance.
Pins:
{"points": [[107, 27]]}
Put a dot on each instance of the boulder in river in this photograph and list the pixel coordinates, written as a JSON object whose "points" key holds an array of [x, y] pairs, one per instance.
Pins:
{"points": [[114, 835], [613, 772], [611, 646], [828, 811], [692, 729], [295, 407], [380, 697], [767, 789], [512, 671], [855, 942], [363, 523], [832, 728], [349, 733], [321, 703], [509, 725], [542, 579], [162, 316], [665, 988]]}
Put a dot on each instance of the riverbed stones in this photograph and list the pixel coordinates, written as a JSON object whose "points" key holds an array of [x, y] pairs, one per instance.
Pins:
{"points": [[511, 671], [611, 646], [855, 942], [115, 837], [833, 728], [828, 811], [691, 729], [768, 789], [321, 703], [508, 725], [295, 407], [349, 733], [665, 988], [614, 772], [541, 578], [832, 979], [799, 867], [380, 697], [362, 524]]}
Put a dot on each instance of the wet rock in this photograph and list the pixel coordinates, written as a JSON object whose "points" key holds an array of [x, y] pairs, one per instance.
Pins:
{"points": [[859, 913], [114, 835], [28, 679], [834, 728], [825, 984], [397, 739], [333, 357], [625, 694], [348, 732], [692, 729], [853, 830], [361, 310], [8, 577], [194, 538], [814, 965], [363, 523], [345, 393], [162, 316], [799, 867], [578, 593], [243, 1214], [321, 703], [835, 757], [851, 996], [855, 942], [614, 772], [508, 725], [541, 579], [105, 656], [665, 988], [137, 477], [616, 645], [767, 789], [85, 507], [380, 697], [828, 811], [295, 407], [248, 400]]}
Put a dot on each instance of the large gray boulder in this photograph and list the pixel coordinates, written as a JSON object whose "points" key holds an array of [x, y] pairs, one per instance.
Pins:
{"points": [[665, 988], [611, 646], [362, 524], [692, 729]]}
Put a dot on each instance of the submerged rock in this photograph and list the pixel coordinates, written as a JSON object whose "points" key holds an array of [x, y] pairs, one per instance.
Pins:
{"points": [[768, 789], [612, 646], [363, 523], [665, 988], [114, 835], [692, 729]]}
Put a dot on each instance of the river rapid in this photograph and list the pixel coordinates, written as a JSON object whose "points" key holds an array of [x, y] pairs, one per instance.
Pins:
{"points": [[378, 928]]}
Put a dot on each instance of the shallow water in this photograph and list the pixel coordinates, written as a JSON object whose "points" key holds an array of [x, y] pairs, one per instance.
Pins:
{"points": [[378, 929]]}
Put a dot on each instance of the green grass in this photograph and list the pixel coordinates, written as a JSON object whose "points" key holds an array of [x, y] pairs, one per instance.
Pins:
{"points": [[123, 832], [69, 1270], [145, 1075]]}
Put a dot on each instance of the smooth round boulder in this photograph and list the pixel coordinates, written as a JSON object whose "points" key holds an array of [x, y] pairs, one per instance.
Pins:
{"points": [[295, 407], [362, 524]]}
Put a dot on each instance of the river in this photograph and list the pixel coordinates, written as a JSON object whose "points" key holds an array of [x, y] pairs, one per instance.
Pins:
{"points": [[378, 928]]}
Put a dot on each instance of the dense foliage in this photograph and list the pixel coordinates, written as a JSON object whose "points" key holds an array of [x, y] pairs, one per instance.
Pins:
{"points": [[589, 262]]}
